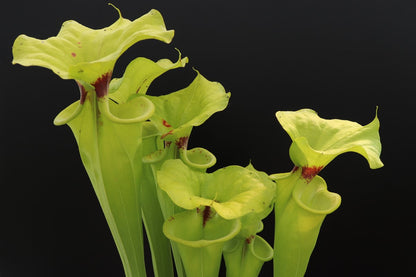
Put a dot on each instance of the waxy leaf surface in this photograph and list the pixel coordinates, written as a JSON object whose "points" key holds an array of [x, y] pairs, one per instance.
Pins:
{"points": [[301, 207], [138, 76], [109, 132], [232, 191], [85, 54], [177, 112], [200, 242], [318, 141]]}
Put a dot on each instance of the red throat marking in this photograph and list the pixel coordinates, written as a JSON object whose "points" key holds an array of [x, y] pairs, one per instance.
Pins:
{"points": [[249, 239], [165, 123], [206, 215], [308, 173], [101, 84], [83, 93], [182, 142]]}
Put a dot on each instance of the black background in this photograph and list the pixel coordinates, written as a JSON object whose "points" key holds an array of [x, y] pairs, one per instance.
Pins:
{"points": [[341, 58]]}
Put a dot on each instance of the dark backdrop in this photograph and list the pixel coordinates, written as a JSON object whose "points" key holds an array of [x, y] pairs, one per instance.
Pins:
{"points": [[341, 58]]}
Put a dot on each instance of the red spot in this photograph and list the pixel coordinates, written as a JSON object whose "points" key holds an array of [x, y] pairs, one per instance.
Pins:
{"points": [[101, 85], [167, 144], [166, 124], [308, 173], [182, 142], [198, 210], [167, 134], [206, 215], [83, 93], [295, 168], [73, 54], [249, 239], [171, 218]]}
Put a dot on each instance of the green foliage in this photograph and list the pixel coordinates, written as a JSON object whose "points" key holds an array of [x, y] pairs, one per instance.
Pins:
{"points": [[302, 198], [190, 189], [317, 141], [85, 54], [134, 148]]}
